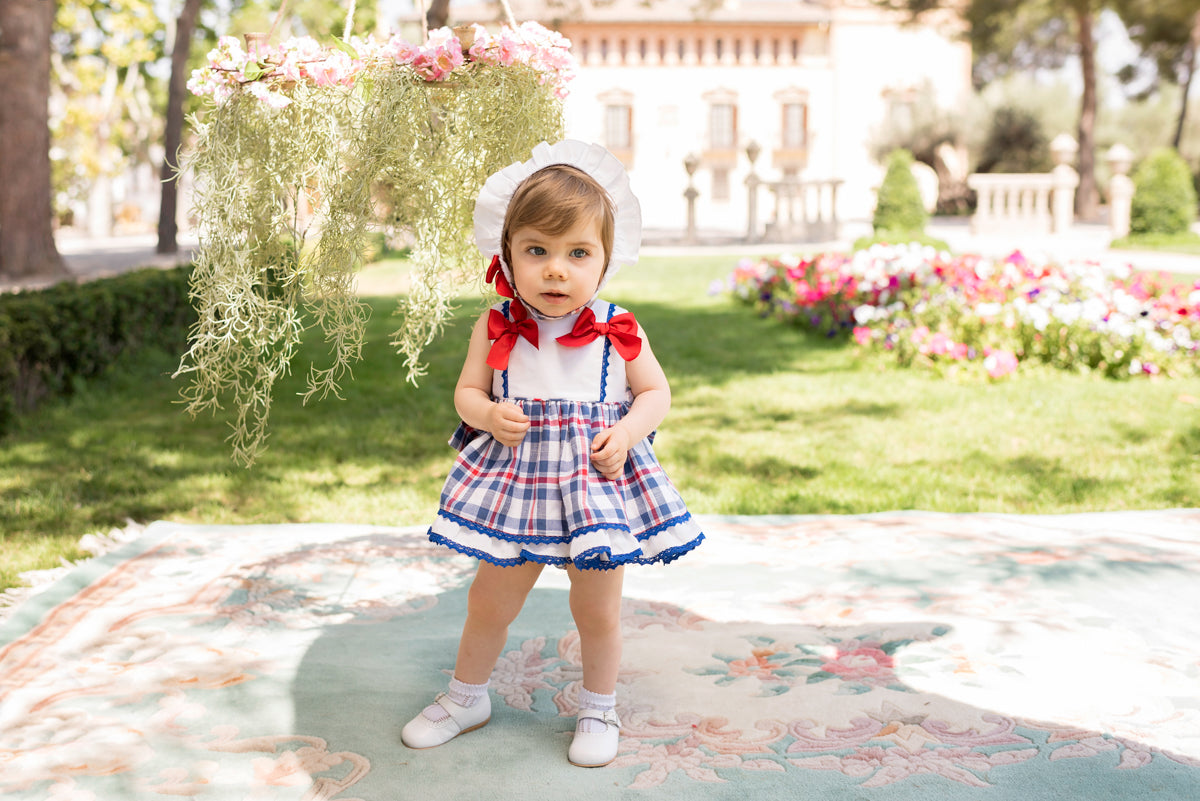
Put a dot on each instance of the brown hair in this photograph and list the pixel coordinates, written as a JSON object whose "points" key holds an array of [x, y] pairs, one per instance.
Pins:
{"points": [[553, 200]]}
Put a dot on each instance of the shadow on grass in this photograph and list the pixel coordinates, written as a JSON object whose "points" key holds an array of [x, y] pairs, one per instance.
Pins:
{"points": [[709, 346], [124, 449]]}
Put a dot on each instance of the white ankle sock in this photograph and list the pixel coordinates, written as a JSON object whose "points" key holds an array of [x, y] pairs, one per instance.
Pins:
{"points": [[591, 700], [460, 693]]}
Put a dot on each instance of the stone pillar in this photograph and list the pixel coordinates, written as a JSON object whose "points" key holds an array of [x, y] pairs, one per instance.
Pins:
{"points": [[752, 181], [691, 193], [1120, 190], [1062, 207]]}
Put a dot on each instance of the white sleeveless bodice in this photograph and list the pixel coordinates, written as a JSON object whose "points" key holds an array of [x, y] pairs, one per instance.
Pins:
{"points": [[593, 372]]}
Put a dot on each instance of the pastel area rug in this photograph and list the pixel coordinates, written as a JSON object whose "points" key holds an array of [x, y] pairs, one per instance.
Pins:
{"points": [[895, 656]]}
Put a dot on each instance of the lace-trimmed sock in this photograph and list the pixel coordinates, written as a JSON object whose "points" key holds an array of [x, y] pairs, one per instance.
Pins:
{"points": [[460, 693], [601, 703]]}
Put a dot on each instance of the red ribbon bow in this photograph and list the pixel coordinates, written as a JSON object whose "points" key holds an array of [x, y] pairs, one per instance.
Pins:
{"points": [[620, 330], [504, 333], [495, 273]]}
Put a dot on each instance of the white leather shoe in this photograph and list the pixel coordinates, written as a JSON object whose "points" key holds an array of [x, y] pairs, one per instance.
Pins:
{"points": [[421, 732], [595, 749]]}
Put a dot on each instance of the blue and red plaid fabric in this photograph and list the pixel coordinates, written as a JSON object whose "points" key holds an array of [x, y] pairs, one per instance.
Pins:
{"points": [[544, 501]]}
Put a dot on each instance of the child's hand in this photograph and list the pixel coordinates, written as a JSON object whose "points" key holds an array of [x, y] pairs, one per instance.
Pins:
{"points": [[507, 423], [609, 449]]}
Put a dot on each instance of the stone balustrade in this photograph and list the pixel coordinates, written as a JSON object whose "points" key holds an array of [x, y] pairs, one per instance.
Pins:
{"points": [[1012, 201], [1028, 202], [805, 210]]}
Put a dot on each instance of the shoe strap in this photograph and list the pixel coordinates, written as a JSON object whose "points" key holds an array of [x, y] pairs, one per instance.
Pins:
{"points": [[609, 716]]}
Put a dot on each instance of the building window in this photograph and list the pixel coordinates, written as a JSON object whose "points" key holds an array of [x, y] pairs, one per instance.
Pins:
{"points": [[618, 127], [720, 183], [795, 126], [722, 126]]}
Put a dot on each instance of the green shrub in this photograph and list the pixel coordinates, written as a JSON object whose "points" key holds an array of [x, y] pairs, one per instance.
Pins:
{"points": [[899, 238], [1164, 200], [1016, 142], [899, 206], [53, 340]]}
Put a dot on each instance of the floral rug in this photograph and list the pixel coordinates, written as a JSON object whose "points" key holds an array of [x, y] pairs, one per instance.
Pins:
{"points": [[890, 656]]}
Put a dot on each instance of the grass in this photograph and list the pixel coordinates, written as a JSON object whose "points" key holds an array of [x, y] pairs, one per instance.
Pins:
{"points": [[766, 420], [1187, 242]]}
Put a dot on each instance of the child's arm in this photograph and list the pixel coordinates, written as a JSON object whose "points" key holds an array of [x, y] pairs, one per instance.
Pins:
{"points": [[651, 402], [473, 394]]}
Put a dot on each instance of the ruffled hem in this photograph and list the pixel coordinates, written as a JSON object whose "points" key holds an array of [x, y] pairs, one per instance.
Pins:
{"points": [[596, 548]]}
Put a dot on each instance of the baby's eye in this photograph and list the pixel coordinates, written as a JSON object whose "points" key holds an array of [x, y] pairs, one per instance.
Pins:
{"points": [[536, 250], [579, 253]]}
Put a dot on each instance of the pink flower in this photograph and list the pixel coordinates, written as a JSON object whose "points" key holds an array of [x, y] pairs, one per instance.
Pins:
{"points": [[863, 662], [1000, 363], [862, 335], [940, 344]]}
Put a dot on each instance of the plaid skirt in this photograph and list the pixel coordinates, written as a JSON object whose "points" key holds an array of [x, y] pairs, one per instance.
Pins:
{"points": [[543, 501]]}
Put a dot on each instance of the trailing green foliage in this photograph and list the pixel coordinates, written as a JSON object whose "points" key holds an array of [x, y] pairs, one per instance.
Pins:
{"points": [[53, 339], [1164, 199], [899, 206], [392, 151]]}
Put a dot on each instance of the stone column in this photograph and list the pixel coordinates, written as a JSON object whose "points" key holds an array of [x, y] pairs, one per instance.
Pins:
{"points": [[1062, 206], [1120, 190], [691, 193]]}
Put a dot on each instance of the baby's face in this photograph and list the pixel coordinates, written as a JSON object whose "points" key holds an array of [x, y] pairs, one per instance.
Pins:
{"points": [[558, 274]]}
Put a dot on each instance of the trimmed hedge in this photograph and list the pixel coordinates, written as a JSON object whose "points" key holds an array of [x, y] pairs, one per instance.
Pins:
{"points": [[899, 206], [1164, 199], [52, 340]]}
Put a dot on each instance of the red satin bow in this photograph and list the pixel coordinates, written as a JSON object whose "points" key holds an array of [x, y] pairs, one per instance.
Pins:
{"points": [[495, 273], [620, 330], [504, 332]]}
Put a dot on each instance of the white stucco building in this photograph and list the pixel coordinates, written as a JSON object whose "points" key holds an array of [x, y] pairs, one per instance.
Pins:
{"points": [[805, 80]]}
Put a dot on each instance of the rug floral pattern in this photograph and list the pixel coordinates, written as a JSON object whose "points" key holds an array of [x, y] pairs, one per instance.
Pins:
{"points": [[909, 655]]}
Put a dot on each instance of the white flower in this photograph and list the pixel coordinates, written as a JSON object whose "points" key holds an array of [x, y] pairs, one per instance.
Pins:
{"points": [[864, 314]]}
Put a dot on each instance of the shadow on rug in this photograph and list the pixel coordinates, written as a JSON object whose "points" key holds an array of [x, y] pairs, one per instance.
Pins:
{"points": [[892, 656]]}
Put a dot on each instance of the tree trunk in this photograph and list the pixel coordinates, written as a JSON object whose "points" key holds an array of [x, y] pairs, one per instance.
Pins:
{"points": [[168, 228], [438, 14], [27, 248], [1193, 45], [1087, 201]]}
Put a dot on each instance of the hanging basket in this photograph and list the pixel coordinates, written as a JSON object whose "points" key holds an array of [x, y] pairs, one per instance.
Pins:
{"points": [[304, 152]]}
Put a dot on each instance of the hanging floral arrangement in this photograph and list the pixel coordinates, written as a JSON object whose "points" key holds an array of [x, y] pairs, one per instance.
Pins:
{"points": [[304, 152]]}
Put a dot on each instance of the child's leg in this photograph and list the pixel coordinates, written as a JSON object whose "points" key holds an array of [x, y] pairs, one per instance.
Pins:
{"points": [[596, 607], [493, 602]]}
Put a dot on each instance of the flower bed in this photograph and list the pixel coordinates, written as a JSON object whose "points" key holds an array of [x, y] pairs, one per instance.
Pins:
{"points": [[969, 313]]}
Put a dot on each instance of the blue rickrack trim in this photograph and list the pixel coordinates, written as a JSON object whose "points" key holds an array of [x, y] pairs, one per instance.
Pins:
{"points": [[607, 350], [545, 539], [661, 527], [596, 562], [599, 558], [491, 559], [532, 539], [504, 375]]}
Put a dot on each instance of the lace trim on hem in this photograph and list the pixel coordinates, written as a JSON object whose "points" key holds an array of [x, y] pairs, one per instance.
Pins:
{"points": [[596, 559], [603, 559], [546, 539]]}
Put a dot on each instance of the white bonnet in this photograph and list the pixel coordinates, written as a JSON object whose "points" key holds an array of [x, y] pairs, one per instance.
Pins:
{"points": [[492, 205]]}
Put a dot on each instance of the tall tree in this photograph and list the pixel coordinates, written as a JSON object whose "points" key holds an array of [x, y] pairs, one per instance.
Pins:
{"points": [[27, 249], [185, 27], [1015, 35], [1167, 33]]}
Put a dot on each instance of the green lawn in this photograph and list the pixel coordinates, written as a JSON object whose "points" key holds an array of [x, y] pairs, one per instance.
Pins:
{"points": [[766, 420]]}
